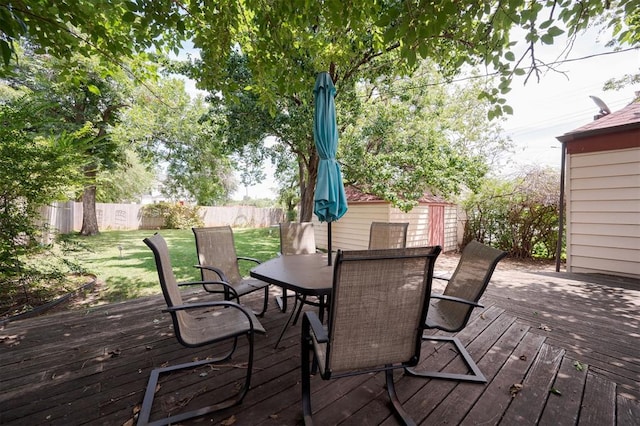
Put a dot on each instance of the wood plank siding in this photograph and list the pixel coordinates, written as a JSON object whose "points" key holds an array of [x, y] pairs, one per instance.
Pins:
{"points": [[351, 232], [603, 205], [66, 217]]}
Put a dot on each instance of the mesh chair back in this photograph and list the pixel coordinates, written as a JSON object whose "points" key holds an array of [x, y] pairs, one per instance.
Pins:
{"points": [[378, 308], [469, 282], [168, 283], [216, 247], [386, 235], [297, 238]]}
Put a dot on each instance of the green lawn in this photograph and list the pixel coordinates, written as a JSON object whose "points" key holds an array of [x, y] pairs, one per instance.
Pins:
{"points": [[126, 265]]}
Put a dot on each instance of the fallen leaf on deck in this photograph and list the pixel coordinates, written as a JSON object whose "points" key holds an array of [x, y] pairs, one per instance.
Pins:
{"points": [[544, 327], [514, 389], [273, 416], [228, 422], [578, 365], [555, 391]]}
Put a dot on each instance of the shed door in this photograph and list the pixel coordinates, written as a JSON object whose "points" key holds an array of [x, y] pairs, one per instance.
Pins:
{"points": [[436, 225]]}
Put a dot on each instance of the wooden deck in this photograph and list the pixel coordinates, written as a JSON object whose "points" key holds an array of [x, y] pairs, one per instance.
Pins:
{"points": [[571, 342]]}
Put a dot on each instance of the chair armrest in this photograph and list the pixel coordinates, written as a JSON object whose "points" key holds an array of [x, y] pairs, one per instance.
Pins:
{"points": [[202, 305], [251, 259], [439, 276], [316, 327], [226, 286], [212, 269], [457, 300]]}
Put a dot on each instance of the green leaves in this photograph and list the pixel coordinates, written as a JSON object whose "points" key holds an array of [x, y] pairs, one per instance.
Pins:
{"points": [[551, 33], [286, 44], [417, 136]]}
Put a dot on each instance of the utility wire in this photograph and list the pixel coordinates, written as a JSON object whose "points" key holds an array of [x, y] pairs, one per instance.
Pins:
{"points": [[493, 74]]}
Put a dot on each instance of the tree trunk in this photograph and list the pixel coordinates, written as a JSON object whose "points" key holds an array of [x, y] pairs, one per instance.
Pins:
{"points": [[307, 186], [89, 216]]}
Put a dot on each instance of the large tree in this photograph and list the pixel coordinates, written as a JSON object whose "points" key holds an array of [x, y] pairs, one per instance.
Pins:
{"points": [[35, 169], [174, 135], [83, 94], [418, 134]]}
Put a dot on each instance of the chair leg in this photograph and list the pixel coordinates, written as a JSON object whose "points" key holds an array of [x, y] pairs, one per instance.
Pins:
{"points": [[395, 402], [475, 376], [265, 305], [281, 301], [147, 402], [305, 382]]}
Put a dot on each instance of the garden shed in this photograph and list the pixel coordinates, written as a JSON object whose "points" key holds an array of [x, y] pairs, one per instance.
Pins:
{"points": [[433, 221], [602, 187]]}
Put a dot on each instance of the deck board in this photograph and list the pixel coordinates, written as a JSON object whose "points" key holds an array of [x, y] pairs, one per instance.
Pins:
{"points": [[92, 366]]}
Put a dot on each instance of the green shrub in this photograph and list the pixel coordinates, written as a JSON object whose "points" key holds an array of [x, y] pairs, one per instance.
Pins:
{"points": [[175, 215], [35, 169], [519, 215]]}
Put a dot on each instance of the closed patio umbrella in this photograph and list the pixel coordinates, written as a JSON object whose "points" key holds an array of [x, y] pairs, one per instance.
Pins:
{"points": [[330, 201]]}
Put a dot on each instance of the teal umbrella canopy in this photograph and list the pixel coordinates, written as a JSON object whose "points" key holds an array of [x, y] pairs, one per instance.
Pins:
{"points": [[330, 201]]}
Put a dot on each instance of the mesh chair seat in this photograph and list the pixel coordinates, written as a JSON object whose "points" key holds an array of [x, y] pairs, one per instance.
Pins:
{"points": [[200, 328]]}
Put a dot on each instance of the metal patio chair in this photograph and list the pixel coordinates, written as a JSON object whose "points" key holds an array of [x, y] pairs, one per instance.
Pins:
{"points": [[451, 310], [386, 235], [198, 324], [218, 261], [295, 238], [378, 310]]}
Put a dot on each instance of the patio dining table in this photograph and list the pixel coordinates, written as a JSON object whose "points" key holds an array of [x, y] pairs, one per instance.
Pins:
{"points": [[305, 274]]}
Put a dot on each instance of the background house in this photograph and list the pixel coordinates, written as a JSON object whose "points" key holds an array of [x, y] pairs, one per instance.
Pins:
{"points": [[602, 184], [433, 221]]}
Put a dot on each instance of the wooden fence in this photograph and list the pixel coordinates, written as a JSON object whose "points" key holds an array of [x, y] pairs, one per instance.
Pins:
{"points": [[66, 217]]}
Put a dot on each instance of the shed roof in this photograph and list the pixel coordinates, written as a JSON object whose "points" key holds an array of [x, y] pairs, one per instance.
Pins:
{"points": [[354, 195], [627, 118]]}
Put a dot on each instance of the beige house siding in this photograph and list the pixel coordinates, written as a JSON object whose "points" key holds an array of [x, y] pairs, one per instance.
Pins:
{"points": [[351, 232], [603, 201]]}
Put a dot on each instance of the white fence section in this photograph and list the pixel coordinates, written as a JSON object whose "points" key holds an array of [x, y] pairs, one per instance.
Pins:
{"points": [[66, 217]]}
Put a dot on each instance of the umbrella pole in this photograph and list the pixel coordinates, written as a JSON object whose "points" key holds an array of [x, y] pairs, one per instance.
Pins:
{"points": [[329, 243]]}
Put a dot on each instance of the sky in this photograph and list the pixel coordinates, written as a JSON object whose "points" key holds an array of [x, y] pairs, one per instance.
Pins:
{"points": [[544, 109], [561, 103]]}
